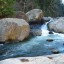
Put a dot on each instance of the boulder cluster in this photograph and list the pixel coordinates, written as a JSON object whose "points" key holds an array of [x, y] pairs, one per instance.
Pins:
{"points": [[17, 27], [21, 25]]}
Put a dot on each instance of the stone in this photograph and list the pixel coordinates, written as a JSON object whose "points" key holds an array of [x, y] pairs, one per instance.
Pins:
{"points": [[36, 32], [49, 40], [55, 51], [44, 60], [59, 59], [24, 60], [13, 29], [32, 60], [50, 32], [35, 15], [20, 15], [48, 59], [57, 26], [10, 61]]}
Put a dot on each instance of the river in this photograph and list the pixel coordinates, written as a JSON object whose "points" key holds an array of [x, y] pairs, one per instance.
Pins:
{"points": [[34, 46]]}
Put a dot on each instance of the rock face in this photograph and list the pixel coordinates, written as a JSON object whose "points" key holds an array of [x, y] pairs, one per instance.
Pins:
{"points": [[13, 29], [49, 59], [11, 61], [57, 26], [59, 59], [35, 14], [21, 15], [38, 60]]}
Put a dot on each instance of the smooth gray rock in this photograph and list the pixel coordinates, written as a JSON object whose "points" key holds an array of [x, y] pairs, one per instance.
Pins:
{"points": [[13, 29], [57, 26]]}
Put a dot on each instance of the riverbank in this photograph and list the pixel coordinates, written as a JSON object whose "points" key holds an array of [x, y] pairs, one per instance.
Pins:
{"points": [[48, 59]]}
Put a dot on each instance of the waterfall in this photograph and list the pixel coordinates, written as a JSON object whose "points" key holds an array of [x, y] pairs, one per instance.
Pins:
{"points": [[44, 29]]}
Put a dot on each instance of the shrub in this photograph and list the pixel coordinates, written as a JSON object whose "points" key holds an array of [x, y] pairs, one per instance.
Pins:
{"points": [[6, 8], [51, 8]]}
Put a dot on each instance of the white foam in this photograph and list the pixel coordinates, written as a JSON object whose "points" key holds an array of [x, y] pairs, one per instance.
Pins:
{"points": [[45, 32]]}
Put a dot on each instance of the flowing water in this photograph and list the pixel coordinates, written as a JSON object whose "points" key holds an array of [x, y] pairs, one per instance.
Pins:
{"points": [[34, 46], [44, 29]]}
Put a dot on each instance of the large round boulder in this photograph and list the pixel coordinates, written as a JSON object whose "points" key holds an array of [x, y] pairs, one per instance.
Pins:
{"points": [[35, 14], [13, 29], [21, 15], [57, 26]]}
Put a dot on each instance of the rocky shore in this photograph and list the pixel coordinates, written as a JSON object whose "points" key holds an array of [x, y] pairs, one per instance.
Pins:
{"points": [[47, 37], [49, 59]]}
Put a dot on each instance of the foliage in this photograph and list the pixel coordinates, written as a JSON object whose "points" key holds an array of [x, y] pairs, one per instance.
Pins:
{"points": [[6, 7], [51, 7], [25, 5]]}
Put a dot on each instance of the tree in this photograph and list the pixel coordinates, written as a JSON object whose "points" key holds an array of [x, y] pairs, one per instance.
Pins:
{"points": [[6, 8], [50, 7], [25, 5]]}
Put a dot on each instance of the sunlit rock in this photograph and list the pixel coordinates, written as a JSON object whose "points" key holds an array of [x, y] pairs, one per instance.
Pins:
{"points": [[13, 29], [57, 26], [51, 32], [32, 60], [59, 59], [10, 61], [35, 15], [55, 51]]}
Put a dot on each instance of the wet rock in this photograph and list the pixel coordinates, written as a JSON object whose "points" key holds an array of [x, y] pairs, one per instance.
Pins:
{"points": [[2, 42], [24, 60], [49, 40], [55, 52], [32, 60], [41, 22], [13, 29], [63, 44], [50, 32]]}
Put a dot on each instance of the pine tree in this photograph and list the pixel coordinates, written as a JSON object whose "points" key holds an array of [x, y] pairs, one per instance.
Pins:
{"points": [[50, 7]]}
